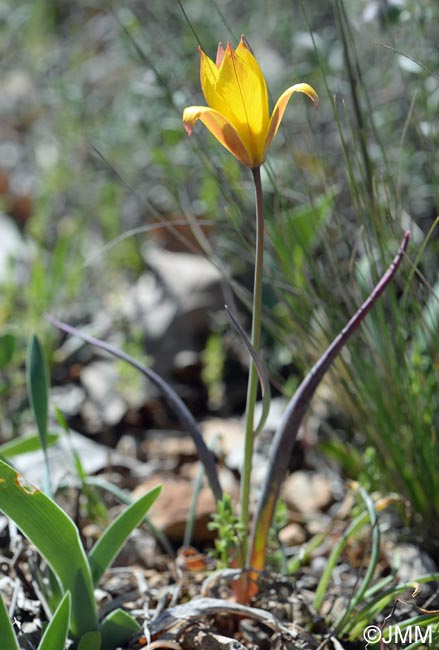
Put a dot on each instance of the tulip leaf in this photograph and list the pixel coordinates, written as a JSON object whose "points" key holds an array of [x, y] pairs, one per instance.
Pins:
{"points": [[174, 401], [55, 634], [56, 538], [38, 385], [123, 497], [114, 537], [117, 629], [91, 641], [37, 375], [25, 444], [7, 634], [286, 433]]}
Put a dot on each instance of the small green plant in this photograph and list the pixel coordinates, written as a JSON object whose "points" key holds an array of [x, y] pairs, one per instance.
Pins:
{"points": [[237, 115], [57, 539], [229, 529], [371, 599]]}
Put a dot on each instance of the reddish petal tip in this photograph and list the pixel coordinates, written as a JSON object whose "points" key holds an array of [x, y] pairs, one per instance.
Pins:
{"points": [[219, 55]]}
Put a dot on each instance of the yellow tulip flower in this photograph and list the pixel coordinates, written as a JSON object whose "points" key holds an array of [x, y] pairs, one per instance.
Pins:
{"points": [[237, 113]]}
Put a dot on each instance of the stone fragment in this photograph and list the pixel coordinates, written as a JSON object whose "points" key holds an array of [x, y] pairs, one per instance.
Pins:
{"points": [[171, 510], [172, 304], [307, 492], [292, 535]]}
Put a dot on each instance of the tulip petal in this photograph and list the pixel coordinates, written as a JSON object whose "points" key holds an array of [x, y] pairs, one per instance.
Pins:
{"points": [[281, 105], [208, 75], [253, 86], [237, 89], [220, 55], [221, 128]]}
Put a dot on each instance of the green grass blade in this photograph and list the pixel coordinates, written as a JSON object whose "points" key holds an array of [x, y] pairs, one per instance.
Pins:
{"points": [[111, 541], [117, 629], [305, 552], [55, 634], [337, 550], [91, 641], [7, 634], [56, 538], [25, 444], [382, 600], [343, 622]]}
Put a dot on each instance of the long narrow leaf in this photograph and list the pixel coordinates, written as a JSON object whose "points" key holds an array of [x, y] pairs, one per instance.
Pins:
{"points": [[55, 634], [123, 497], [111, 541], [7, 634], [56, 538], [371, 565], [382, 600], [117, 629], [285, 436], [37, 376], [337, 550], [25, 444], [176, 404]]}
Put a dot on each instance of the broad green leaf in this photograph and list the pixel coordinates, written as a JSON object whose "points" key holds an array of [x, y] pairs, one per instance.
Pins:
{"points": [[56, 537], [7, 348], [38, 385], [111, 541], [7, 634], [55, 634], [117, 629], [25, 444], [91, 641]]}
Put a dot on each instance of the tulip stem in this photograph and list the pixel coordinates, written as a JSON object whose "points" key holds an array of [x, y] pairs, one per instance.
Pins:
{"points": [[252, 388]]}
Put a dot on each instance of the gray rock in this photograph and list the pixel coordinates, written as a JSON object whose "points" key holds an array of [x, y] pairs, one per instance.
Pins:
{"points": [[172, 303], [101, 382], [15, 251], [94, 458]]}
